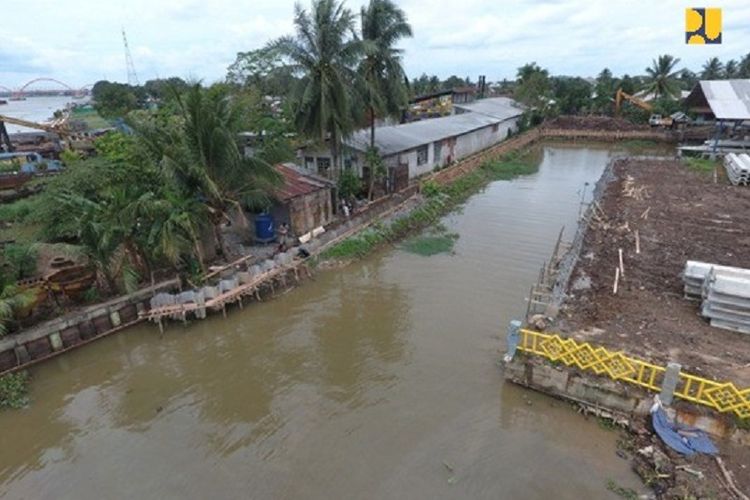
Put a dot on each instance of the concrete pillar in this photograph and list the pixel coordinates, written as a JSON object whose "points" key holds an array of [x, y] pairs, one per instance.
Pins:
{"points": [[114, 318], [56, 341], [668, 386], [512, 338]]}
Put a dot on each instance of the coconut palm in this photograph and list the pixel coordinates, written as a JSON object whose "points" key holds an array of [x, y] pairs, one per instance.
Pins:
{"points": [[200, 155], [324, 51], [744, 68], [731, 69], [385, 91], [713, 69], [661, 77]]}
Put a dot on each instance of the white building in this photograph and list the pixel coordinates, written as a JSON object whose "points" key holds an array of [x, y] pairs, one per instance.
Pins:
{"points": [[413, 149]]}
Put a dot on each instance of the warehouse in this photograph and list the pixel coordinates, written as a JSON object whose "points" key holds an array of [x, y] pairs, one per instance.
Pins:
{"points": [[413, 149]]}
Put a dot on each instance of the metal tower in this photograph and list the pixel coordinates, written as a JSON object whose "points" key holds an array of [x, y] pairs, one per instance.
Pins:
{"points": [[129, 66]]}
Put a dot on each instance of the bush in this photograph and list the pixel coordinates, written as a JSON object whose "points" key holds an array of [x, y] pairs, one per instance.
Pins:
{"points": [[14, 390], [349, 184]]}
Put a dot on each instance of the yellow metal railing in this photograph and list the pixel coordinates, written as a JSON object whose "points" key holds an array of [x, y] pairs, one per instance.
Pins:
{"points": [[722, 396]]}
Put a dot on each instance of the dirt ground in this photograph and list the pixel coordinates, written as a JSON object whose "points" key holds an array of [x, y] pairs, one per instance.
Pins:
{"points": [[601, 123], [680, 215]]}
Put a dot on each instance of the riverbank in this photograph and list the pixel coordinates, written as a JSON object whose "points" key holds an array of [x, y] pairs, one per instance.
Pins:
{"points": [[368, 379], [384, 221], [659, 213]]}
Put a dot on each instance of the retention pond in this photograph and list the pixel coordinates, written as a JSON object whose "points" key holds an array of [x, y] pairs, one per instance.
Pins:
{"points": [[379, 380]]}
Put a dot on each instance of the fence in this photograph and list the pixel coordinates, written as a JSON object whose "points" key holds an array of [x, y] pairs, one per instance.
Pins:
{"points": [[722, 396]]}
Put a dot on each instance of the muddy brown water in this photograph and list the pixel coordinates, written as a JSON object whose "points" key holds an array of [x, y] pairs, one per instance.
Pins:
{"points": [[379, 380]]}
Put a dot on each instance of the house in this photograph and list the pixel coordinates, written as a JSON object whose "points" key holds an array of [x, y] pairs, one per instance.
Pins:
{"points": [[303, 200], [413, 149], [724, 100]]}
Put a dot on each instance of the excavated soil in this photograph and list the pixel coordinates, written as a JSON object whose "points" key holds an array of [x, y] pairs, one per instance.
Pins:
{"points": [[600, 123], [680, 215]]}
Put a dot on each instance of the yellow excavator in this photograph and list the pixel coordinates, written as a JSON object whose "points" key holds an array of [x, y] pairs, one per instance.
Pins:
{"points": [[655, 120]]}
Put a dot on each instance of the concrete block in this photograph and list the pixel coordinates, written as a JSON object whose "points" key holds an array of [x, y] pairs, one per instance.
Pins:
{"points": [[114, 318], [56, 341], [22, 354]]}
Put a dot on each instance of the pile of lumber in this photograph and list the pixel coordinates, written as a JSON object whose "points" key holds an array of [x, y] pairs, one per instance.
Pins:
{"points": [[738, 168], [724, 292]]}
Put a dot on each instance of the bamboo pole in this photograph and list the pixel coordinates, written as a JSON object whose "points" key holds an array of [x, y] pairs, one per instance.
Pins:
{"points": [[622, 266], [637, 243], [617, 280]]}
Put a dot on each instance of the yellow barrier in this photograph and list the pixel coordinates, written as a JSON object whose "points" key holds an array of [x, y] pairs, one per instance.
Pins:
{"points": [[724, 397]]}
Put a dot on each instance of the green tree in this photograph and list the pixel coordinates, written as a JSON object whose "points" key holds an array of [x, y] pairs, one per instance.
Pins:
{"points": [[113, 100], [661, 77], [200, 154], [382, 76], [744, 67], [324, 51], [533, 87], [688, 79], [731, 69], [572, 95], [264, 69], [713, 69], [604, 90]]}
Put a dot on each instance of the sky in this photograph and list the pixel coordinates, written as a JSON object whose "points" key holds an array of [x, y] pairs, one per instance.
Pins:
{"points": [[80, 42]]}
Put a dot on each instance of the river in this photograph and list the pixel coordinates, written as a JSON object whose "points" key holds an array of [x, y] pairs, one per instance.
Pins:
{"points": [[35, 109], [380, 380]]}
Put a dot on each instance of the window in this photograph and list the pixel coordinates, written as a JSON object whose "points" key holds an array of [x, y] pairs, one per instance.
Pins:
{"points": [[323, 165], [421, 155], [348, 163], [437, 148], [309, 162]]}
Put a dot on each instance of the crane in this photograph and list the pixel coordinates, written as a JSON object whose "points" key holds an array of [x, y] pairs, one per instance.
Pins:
{"points": [[58, 127]]}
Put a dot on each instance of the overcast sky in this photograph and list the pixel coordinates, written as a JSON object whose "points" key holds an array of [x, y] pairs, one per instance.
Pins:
{"points": [[79, 41]]}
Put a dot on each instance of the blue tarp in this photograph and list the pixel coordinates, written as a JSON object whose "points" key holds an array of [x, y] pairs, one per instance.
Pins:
{"points": [[682, 439]]}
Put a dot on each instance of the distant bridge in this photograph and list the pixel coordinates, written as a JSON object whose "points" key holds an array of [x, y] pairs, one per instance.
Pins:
{"points": [[44, 86]]}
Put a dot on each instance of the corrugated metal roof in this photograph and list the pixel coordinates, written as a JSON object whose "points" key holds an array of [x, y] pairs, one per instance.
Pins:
{"points": [[497, 107], [728, 99], [297, 184], [397, 138]]}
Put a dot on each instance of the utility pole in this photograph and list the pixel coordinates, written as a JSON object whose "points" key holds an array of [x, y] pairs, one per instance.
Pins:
{"points": [[129, 66]]}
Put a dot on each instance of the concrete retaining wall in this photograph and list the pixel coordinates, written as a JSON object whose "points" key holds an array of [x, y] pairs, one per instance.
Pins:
{"points": [[622, 400], [77, 328]]}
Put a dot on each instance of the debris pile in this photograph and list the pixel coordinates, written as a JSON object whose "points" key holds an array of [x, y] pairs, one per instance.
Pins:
{"points": [[601, 123], [724, 291], [738, 168]]}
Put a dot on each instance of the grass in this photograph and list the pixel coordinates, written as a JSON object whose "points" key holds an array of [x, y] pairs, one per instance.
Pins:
{"points": [[702, 165], [431, 244], [92, 119], [621, 491], [14, 390], [19, 210], [440, 201]]}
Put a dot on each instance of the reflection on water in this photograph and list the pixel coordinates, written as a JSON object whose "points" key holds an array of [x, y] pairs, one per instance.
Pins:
{"points": [[376, 381]]}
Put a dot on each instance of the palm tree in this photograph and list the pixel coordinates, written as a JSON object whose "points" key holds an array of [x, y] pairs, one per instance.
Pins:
{"points": [[713, 69], [744, 69], [324, 50], [200, 155], [385, 93], [731, 69], [662, 77]]}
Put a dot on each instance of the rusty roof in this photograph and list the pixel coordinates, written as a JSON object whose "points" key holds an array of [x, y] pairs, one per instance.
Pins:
{"points": [[296, 183]]}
